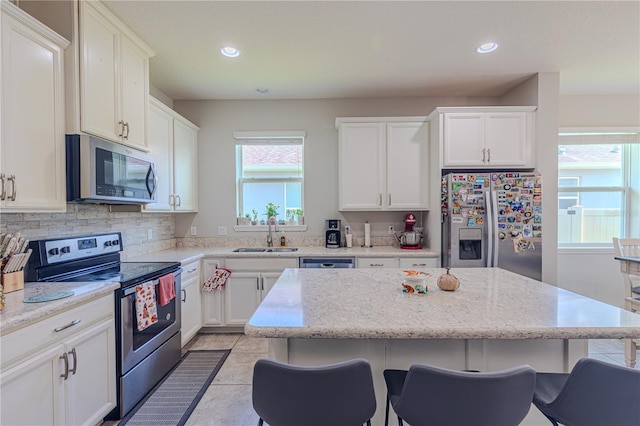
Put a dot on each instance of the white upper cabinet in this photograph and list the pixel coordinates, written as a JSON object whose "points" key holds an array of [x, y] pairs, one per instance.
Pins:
{"points": [[486, 137], [173, 141], [114, 78], [32, 115], [383, 163]]}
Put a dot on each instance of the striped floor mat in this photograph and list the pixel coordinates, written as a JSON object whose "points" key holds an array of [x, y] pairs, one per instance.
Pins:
{"points": [[173, 400]]}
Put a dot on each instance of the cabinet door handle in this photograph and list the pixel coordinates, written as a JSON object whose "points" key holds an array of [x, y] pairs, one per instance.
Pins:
{"points": [[65, 358], [75, 361], [172, 199], [121, 123], [126, 125], [389, 199], [179, 200], [484, 152], [258, 283], [3, 193], [64, 327], [489, 155], [380, 202], [184, 295], [12, 178]]}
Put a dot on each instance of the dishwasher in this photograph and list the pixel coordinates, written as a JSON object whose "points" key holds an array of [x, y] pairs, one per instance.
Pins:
{"points": [[327, 262]]}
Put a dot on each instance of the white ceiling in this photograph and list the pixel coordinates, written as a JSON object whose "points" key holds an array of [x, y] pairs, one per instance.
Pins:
{"points": [[340, 49]]}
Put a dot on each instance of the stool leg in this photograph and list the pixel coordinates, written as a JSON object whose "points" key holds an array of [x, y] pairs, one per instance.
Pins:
{"points": [[630, 349], [386, 413]]}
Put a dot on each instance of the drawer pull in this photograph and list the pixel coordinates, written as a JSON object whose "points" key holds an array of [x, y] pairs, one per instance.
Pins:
{"points": [[64, 327], [65, 358], [184, 294], [419, 264], [75, 361], [192, 270], [376, 264]]}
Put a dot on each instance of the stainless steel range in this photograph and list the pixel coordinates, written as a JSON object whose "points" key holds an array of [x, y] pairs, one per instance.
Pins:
{"points": [[143, 357]]}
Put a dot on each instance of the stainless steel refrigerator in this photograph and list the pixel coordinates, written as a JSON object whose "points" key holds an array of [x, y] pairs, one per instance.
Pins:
{"points": [[493, 219]]}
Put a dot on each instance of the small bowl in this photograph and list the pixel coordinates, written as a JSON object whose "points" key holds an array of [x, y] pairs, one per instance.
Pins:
{"points": [[413, 275], [414, 287]]}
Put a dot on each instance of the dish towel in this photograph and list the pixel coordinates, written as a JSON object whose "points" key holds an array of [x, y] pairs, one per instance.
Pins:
{"points": [[167, 289], [146, 310], [217, 280]]}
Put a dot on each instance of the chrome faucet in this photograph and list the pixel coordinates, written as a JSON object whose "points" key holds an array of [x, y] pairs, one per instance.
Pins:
{"points": [[270, 220]]}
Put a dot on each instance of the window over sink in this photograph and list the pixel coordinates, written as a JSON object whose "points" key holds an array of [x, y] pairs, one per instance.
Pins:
{"points": [[269, 169]]}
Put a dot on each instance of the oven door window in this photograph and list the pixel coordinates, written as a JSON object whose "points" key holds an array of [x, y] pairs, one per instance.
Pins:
{"points": [[118, 175]]}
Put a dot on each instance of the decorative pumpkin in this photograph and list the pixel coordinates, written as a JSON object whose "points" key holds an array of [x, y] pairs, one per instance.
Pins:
{"points": [[448, 282]]}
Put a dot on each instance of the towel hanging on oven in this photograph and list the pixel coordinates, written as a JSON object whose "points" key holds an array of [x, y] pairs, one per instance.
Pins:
{"points": [[166, 289], [217, 280], [146, 309]]}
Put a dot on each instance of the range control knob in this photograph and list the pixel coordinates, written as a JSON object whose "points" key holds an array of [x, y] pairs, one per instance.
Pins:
{"points": [[54, 251], [107, 243], [66, 249], [115, 242]]}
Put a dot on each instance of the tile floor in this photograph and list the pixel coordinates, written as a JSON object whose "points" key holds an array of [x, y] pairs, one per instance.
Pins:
{"points": [[227, 402]]}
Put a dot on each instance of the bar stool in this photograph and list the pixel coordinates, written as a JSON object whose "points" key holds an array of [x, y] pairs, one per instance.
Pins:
{"points": [[594, 393], [428, 395], [292, 395]]}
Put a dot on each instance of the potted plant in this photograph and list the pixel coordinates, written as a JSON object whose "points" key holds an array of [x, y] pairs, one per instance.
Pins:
{"points": [[300, 214], [271, 210], [247, 219], [291, 214], [240, 219], [255, 217]]}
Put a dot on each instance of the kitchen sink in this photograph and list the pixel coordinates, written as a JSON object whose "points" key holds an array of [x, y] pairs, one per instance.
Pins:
{"points": [[265, 250]]}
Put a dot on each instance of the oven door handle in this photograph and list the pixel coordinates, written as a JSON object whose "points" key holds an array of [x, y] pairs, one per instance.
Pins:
{"points": [[129, 291]]}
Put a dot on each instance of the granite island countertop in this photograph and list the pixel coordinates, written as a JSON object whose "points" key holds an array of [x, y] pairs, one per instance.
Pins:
{"points": [[491, 303], [17, 314]]}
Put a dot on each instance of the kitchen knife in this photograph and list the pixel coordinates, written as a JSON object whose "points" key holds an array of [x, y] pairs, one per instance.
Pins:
{"points": [[7, 251], [3, 246], [24, 260], [23, 247], [10, 265]]}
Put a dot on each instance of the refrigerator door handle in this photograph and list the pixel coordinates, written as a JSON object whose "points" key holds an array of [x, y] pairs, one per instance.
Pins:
{"points": [[490, 227], [494, 224]]}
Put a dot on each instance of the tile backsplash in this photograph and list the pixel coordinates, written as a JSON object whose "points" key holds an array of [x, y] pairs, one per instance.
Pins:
{"points": [[87, 219]]}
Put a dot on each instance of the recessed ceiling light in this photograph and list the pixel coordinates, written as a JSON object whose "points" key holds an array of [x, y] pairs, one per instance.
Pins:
{"points": [[230, 51], [487, 47], [262, 90]]}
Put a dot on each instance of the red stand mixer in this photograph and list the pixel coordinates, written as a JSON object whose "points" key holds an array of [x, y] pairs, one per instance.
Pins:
{"points": [[410, 239]]}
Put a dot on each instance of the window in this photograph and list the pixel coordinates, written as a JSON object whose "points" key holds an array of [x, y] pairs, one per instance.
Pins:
{"points": [[269, 169], [598, 188]]}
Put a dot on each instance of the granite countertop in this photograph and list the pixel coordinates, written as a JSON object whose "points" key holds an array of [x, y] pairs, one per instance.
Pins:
{"points": [[191, 254], [17, 314], [491, 303]]}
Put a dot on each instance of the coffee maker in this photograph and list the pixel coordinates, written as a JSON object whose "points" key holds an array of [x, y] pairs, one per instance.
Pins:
{"points": [[332, 233]]}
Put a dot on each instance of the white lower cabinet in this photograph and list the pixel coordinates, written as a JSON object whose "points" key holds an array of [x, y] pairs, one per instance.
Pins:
{"points": [[191, 312], [212, 309], [57, 373], [250, 281]]}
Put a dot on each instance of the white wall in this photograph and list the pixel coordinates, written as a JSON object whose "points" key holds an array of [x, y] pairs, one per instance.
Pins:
{"points": [[216, 153], [595, 273]]}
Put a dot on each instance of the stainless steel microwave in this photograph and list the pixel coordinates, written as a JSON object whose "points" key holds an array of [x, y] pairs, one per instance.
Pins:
{"points": [[105, 172]]}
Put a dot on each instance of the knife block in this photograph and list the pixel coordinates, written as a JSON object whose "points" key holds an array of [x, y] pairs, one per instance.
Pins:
{"points": [[13, 281]]}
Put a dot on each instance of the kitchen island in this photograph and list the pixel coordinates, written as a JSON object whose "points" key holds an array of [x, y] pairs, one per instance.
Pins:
{"points": [[497, 319]]}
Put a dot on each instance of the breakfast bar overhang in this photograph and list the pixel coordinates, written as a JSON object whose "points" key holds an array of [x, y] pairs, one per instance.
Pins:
{"points": [[495, 320]]}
